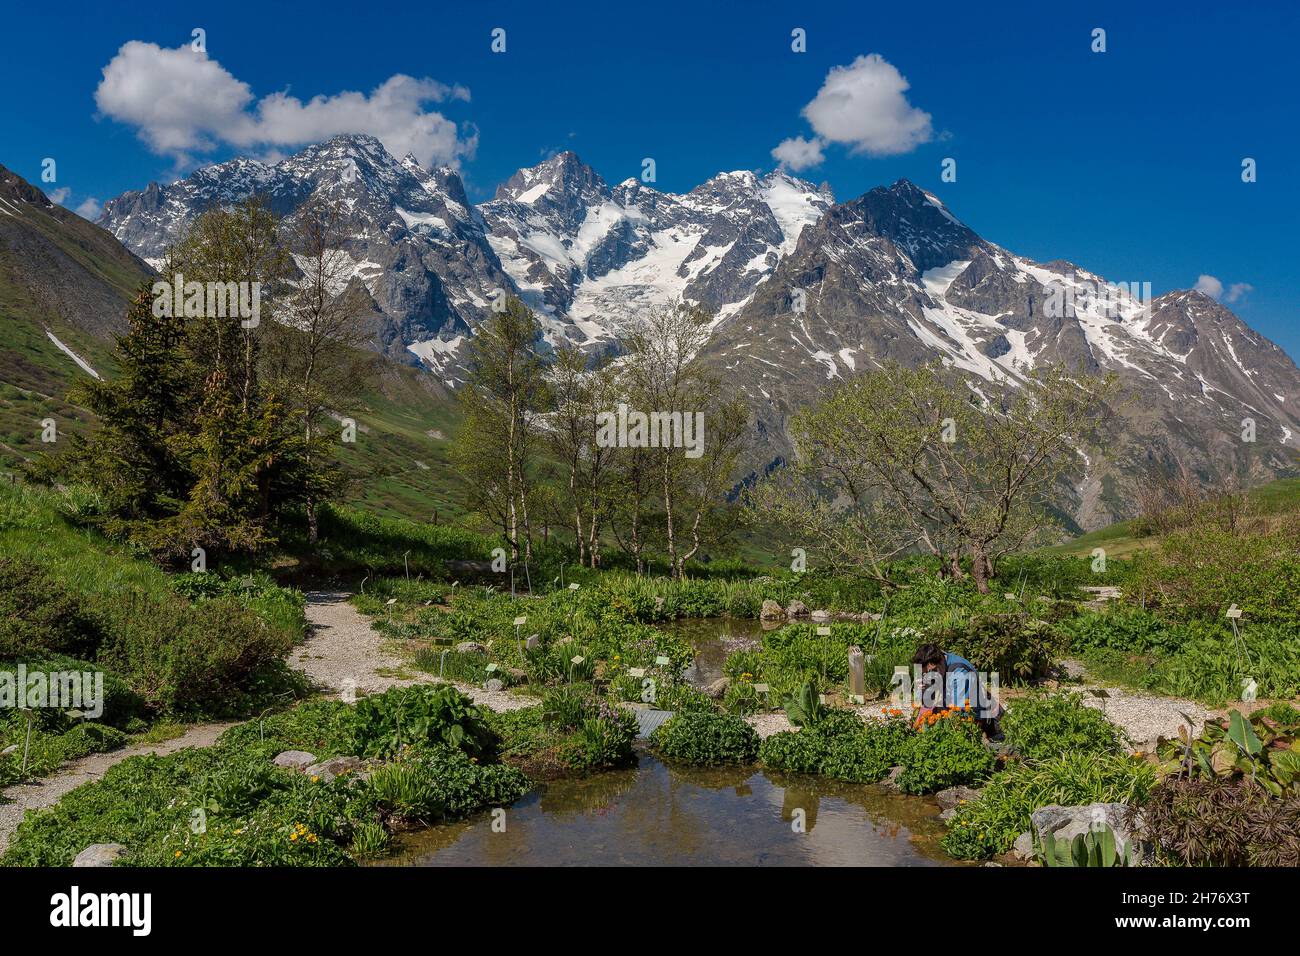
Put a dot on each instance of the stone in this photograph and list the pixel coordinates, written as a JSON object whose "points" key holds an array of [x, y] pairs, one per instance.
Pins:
{"points": [[948, 814], [955, 796], [1065, 823], [564, 640], [718, 689], [771, 611], [868, 617], [797, 609], [991, 863], [1023, 848], [335, 767], [100, 854], [470, 647], [493, 683], [517, 674], [821, 616], [891, 779], [12, 748], [294, 759]]}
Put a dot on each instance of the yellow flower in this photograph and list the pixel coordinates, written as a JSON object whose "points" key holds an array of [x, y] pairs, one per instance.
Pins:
{"points": [[315, 778], [293, 836], [178, 854]]}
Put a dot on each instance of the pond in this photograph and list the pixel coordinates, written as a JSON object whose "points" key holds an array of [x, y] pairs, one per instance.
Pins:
{"points": [[654, 815]]}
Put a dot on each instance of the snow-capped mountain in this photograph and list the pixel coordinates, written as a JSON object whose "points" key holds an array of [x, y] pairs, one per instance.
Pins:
{"points": [[418, 248], [894, 275], [804, 292], [588, 258]]}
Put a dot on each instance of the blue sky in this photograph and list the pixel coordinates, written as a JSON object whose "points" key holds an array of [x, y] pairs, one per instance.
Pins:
{"points": [[1126, 162]]}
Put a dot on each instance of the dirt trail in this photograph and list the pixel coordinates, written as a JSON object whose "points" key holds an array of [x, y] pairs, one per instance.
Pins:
{"points": [[341, 650]]}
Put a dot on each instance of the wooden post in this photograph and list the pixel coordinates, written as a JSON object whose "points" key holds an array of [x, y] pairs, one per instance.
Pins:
{"points": [[857, 675]]}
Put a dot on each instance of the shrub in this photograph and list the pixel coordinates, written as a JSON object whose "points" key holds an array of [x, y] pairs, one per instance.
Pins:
{"points": [[1222, 823], [947, 753], [421, 714], [1045, 726], [840, 746], [40, 616], [602, 742], [706, 739], [991, 824], [1014, 646], [794, 751]]}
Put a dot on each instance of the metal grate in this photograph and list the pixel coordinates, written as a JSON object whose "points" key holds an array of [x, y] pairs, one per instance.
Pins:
{"points": [[647, 720]]}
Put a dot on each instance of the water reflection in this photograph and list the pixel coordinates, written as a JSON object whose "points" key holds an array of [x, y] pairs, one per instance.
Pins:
{"points": [[653, 815]]}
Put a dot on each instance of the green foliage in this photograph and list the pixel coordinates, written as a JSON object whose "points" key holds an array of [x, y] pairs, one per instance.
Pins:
{"points": [[804, 707], [841, 745], [602, 742], [947, 753], [706, 739], [421, 715], [1094, 849], [1014, 646], [1047, 725], [990, 825], [39, 615], [1263, 749]]}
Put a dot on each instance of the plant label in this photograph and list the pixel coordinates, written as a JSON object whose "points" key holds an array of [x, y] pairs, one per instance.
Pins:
{"points": [[761, 688], [577, 659], [573, 586], [662, 661], [490, 668], [636, 672], [823, 631], [1234, 612]]}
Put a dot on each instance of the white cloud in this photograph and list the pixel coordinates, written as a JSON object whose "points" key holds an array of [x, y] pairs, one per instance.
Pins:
{"points": [[797, 153], [863, 106], [1210, 286], [89, 209], [60, 195], [181, 102], [1238, 291]]}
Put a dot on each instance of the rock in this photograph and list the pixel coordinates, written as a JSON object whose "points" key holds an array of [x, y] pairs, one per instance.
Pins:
{"points": [[1065, 823], [564, 640], [517, 674], [294, 759], [493, 683], [891, 779], [954, 796], [12, 748], [797, 609], [100, 854], [991, 863], [948, 814], [821, 616], [868, 617], [470, 647], [328, 770], [771, 611], [718, 689], [1024, 846]]}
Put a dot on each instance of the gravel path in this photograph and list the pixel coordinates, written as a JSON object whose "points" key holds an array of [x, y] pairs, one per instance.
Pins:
{"points": [[341, 650], [45, 793], [344, 652]]}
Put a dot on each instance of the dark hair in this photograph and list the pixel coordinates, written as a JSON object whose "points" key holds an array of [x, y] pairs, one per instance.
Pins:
{"points": [[929, 654]]}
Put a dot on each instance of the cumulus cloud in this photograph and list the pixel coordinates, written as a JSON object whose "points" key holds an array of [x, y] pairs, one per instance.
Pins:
{"points": [[89, 209], [1238, 291], [1215, 289], [182, 103], [797, 153], [863, 106], [60, 195], [1210, 286]]}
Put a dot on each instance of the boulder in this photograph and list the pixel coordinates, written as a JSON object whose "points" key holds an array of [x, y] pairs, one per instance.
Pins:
{"points": [[517, 674], [955, 796], [493, 683], [1023, 848], [100, 854], [771, 611], [797, 609], [821, 616], [1065, 823], [328, 770], [12, 748], [718, 689], [891, 779], [294, 759], [868, 617], [470, 647]]}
